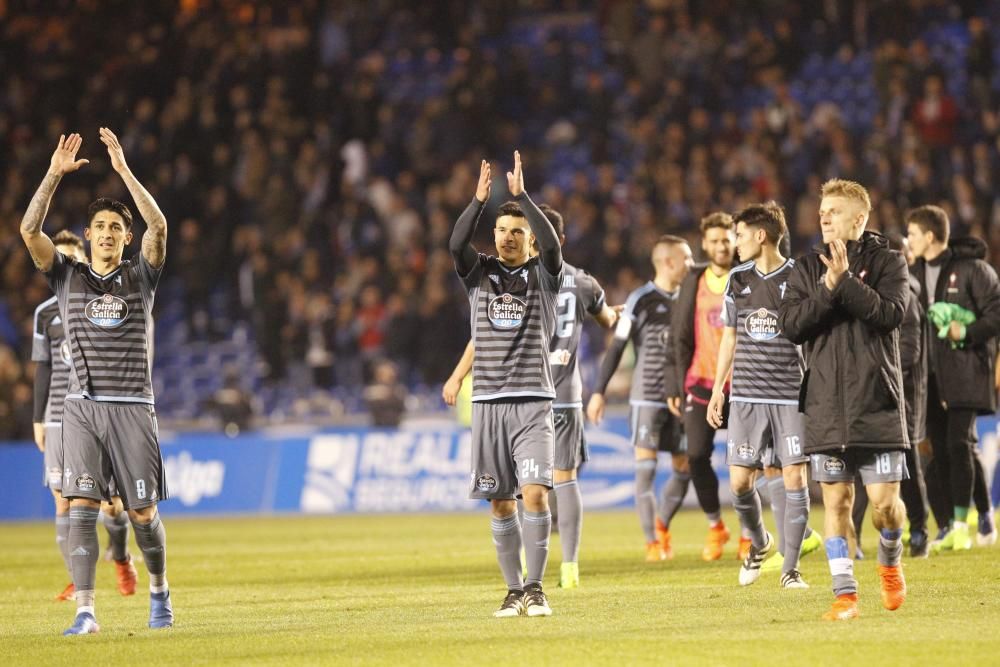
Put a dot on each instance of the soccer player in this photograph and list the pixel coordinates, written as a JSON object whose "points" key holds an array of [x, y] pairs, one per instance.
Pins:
{"points": [[53, 360], [844, 303], [513, 301], [962, 297], [765, 426], [646, 323], [109, 427], [580, 295], [913, 346], [696, 331]]}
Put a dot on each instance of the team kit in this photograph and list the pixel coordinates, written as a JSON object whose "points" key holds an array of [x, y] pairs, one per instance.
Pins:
{"points": [[834, 366]]}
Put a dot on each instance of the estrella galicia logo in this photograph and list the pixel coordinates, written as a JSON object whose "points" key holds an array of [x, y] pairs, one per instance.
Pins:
{"points": [[507, 311], [746, 451], [486, 482], [834, 465], [85, 482], [761, 324], [107, 311]]}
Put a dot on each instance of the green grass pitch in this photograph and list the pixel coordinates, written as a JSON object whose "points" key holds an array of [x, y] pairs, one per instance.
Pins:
{"points": [[420, 590]]}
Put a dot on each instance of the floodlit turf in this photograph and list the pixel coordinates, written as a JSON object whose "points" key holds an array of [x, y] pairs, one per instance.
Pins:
{"points": [[421, 589]]}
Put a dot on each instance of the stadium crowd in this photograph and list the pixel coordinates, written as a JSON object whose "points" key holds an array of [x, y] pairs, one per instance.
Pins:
{"points": [[312, 159]]}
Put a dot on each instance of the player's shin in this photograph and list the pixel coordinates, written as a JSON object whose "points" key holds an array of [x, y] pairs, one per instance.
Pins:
{"points": [[84, 550], [152, 540], [507, 539]]}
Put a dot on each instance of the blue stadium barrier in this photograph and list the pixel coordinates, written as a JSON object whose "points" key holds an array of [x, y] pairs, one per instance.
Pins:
{"points": [[419, 469]]}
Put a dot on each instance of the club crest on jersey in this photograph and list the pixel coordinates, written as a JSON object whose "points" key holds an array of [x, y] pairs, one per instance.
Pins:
{"points": [[761, 324], [506, 311], [107, 311]]}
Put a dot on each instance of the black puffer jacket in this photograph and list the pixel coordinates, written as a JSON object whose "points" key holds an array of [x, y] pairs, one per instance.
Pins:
{"points": [[965, 376], [852, 394]]}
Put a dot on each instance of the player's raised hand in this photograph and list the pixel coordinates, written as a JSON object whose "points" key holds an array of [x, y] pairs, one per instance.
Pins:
{"points": [[115, 151], [515, 179], [837, 265], [64, 158], [485, 179]]}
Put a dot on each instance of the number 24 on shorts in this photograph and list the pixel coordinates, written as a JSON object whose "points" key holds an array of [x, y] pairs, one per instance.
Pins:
{"points": [[529, 469]]}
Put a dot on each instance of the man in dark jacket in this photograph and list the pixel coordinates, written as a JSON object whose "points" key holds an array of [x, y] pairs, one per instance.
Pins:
{"points": [[845, 308], [913, 345], [962, 298]]}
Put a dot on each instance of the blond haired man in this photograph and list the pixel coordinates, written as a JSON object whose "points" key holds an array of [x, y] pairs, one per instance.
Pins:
{"points": [[844, 303]]}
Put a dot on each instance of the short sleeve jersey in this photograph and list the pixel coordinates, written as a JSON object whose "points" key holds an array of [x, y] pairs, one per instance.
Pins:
{"points": [[108, 324], [646, 322], [579, 295], [513, 313], [49, 345], [767, 367]]}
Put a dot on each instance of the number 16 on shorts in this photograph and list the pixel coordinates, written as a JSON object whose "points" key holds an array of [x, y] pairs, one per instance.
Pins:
{"points": [[529, 469]]}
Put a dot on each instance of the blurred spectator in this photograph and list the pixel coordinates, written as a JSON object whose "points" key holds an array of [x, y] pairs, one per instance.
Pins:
{"points": [[232, 405], [385, 395]]}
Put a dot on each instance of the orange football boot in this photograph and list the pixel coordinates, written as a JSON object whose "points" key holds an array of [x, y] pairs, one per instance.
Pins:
{"points": [[717, 537], [893, 586], [844, 608]]}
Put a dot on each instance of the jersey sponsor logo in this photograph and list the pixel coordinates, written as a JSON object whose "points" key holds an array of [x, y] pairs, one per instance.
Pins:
{"points": [[506, 311], [559, 357], [834, 465], [85, 482], [486, 482], [761, 324], [107, 311]]}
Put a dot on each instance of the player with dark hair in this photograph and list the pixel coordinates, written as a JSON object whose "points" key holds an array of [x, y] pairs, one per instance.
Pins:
{"points": [[580, 295], [696, 331], [109, 426], [51, 354], [844, 303], [765, 425], [646, 323], [513, 298], [961, 295]]}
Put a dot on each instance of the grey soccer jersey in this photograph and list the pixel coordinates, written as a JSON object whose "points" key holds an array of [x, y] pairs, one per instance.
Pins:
{"points": [[109, 326], [579, 295], [49, 345], [512, 315], [767, 367], [646, 321]]}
